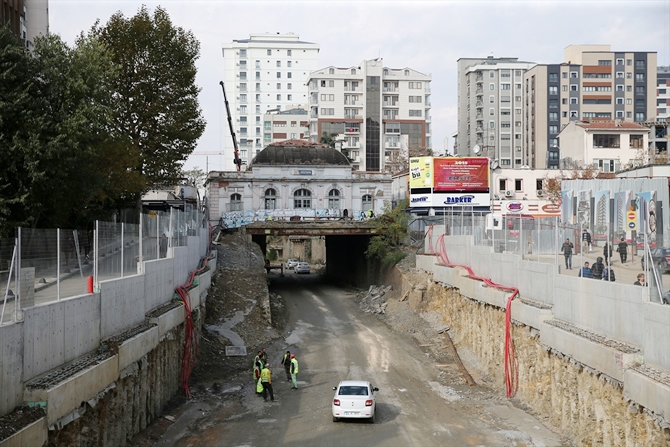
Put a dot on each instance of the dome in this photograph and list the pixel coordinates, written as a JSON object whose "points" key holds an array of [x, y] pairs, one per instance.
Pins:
{"points": [[300, 152]]}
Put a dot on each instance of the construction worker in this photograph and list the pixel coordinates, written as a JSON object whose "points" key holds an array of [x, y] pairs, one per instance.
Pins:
{"points": [[286, 361], [258, 367], [266, 380], [264, 355], [294, 372]]}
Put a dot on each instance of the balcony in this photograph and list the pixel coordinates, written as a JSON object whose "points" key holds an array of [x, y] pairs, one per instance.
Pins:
{"points": [[351, 145], [390, 89], [479, 90], [352, 130], [352, 116], [352, 89], [392, 144], [391, 103]]}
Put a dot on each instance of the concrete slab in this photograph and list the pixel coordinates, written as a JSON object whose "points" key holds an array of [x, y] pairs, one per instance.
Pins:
{"points": [[137, 347], [647, 392], [601, 358], [169, 320], [65, 397], [33, 435], [530, 315]]}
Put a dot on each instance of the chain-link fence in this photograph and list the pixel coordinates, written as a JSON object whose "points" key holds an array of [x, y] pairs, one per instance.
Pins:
{"points": [[43, 265]]}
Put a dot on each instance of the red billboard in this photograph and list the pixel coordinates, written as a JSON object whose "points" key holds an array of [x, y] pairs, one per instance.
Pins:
{"points": [[453, 174]]}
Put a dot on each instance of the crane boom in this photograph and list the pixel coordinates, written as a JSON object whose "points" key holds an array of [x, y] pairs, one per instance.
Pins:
{"points": [[237, 160]]}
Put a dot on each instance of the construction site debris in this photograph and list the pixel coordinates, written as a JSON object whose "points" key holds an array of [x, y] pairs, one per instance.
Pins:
{"points": [[375, 299]]}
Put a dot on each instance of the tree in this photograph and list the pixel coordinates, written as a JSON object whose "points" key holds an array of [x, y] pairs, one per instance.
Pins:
{"points": [[328, 139], [194, 177], [391, 230], [156, 99]]}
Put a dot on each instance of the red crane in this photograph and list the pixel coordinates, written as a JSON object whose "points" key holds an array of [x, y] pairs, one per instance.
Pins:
{"points": [[237, 160]]}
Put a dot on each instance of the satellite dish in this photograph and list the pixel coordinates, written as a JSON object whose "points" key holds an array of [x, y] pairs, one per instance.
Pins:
{"points": [[476, 149]]}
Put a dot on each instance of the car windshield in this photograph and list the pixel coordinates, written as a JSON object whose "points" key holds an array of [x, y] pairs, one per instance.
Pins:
{"points": [[353, 391]]}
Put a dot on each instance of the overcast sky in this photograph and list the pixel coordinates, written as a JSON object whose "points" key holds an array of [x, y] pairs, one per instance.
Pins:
{"points": [[426, 36]]}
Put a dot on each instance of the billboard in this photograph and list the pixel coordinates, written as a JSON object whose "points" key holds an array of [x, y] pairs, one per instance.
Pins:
{"points": [[467, 174], [449, 182]]}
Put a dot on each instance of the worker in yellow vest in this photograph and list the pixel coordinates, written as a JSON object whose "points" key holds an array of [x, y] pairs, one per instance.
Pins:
{"points": [[294, 372], [266, 381]]}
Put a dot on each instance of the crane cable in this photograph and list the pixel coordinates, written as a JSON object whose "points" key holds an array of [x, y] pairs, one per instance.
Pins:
{"points": [[511, 363], [190, 334]]}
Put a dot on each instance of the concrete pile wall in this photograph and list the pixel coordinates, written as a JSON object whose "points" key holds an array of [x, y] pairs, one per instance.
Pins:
{"points": [[123, 391], [591, 359]]}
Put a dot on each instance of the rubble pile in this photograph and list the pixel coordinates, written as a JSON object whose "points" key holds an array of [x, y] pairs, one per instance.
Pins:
{"points": [[374, 301]]}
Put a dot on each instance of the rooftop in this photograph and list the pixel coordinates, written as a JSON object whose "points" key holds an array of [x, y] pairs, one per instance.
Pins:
{"points": [[299, 152]]}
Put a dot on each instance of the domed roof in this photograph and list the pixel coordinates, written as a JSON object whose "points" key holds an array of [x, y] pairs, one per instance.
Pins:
{"points": [[300, 152]]}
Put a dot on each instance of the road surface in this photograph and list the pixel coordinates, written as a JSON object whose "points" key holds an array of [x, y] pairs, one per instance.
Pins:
{"points": [[417, 404]]}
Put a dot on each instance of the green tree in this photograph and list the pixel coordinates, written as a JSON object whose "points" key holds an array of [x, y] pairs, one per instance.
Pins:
{"points": [[194, 177], [156, 99], [328, 139], [391, 229]]}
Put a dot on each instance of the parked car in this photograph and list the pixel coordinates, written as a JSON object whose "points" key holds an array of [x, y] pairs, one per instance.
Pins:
{"points": [[660, 257], [354, 399], [301, 267], [290, 263]]}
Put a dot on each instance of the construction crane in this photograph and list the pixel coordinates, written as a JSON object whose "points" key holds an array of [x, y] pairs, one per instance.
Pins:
{"points": [[237, 160]]}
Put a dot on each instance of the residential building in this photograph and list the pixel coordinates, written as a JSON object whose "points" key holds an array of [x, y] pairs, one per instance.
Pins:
{"points": [[296, 178], [593, 82], [663, 93], [282, 125], [37, 20], [12, 13], [490, 117], [608, 145], [265, 72], [382, 114], [522, 191]]}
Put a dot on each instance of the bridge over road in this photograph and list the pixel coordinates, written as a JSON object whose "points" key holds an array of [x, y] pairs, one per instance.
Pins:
{"points": [[346, 243]]}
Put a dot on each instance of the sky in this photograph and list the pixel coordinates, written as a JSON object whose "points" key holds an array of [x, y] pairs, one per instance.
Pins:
{"points": [[428, 36]]}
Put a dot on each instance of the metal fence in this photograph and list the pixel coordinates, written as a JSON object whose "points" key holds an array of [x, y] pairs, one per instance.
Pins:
{"points": [[44, 265]]}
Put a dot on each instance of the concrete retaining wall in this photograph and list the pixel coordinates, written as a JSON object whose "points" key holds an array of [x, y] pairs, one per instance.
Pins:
{"points": [[56, 333], [593, 357]]}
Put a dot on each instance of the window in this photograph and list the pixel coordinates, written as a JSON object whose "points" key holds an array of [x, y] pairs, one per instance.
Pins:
{"points": [[553, 129], [629, 88], [517, 98], [564, 75], [564, 100], [413, 85], [505, 86], [243, 53], [619, 100], [553, 77], [267, 137], [573, 88], [302, 198], [553, 142], [629, 114], [553, 103], [505, 74], [243, 65], [604, 62], [553, 90], [629, 61], [492, 99], [589, 88], [270, 199], [574, 74], [289, 52], [492, 125], [619, 88], [639, 77], [517, 86], [289, 97], [492, 74], [327, 111], [619, 114], [629, 101], [502, 185], [243, 120], [279, 97], [258, 89], [639, 90], [574, 114], [518, 185], [278, 64], [334, 199], [505, 112], [326, 97], [564, 114], [553, 116], [258, 64], [288, 63], [331, 83], [629, 75], [619, 61], [235, 202], [415, 113], [289, 86], [353, 71], [640, 64], [269, 52], [573, 100], [640, 116], [517, 124], [243, 75], [636, 141], [243, 109], [492, 86], [243, 97], [492, 111], [278, 85], [564, 88], [278, 74], [517, 72], [606, 141], [415, 99], [367, 202]]}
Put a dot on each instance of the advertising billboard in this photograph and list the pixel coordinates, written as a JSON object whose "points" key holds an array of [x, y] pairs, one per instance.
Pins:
{"points": [[455, 174], [421, 172]]}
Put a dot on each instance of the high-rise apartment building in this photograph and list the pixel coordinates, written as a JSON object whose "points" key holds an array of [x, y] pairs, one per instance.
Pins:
{"points": [[490, 109], [663, 93], [592, 83], [282, 125], [262, 73], [382, 115], [26, 19]]}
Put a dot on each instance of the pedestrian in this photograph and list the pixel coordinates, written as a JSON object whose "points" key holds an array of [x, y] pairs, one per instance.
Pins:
{"points": [[566, 249], [640, 280], [622, 248], [585, 271], [163, 245], [597, 268], [590, 240], [264, 355], [607, 252], [286, 361], [258, 367], [294, 372], [266, 380], [586, 240], [608, 273]]}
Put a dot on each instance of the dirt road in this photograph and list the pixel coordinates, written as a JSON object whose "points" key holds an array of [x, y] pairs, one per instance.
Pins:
{"points": [[422, 400]]}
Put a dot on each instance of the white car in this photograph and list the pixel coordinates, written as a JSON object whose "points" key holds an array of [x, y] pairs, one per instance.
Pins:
{"points": [[290, 263], [354, 399], [301, 267]]}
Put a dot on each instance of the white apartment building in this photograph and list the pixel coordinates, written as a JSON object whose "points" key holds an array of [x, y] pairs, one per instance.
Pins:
{"points": [[282, 125], [490, 109], [380, 114], [663, 93], [265, 72]]}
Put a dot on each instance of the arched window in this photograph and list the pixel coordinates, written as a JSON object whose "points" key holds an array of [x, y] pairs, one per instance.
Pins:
{"points": [[302, 198], [367, 202], [235, 202], [270, 199], [334, 199], [331, 71]]}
